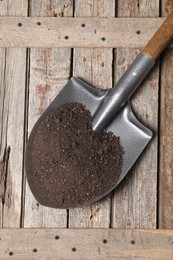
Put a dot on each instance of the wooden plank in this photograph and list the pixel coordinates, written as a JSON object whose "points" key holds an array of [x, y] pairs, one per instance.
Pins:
{"points": [[3, 11], [86, 244], [134, 203], [94, 66], [166, 135], [12, 67], [49, 71], [2, 155], [81, 32]]}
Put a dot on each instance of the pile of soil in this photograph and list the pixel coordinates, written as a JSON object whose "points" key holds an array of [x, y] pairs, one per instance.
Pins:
{"points": [[67, 163]]}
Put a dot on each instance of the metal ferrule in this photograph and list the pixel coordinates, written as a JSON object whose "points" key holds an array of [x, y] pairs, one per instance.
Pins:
{"points": [[122, 91]]}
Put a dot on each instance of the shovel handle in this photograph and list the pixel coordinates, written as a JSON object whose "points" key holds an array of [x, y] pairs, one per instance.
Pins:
{"points": [[160, 39]]}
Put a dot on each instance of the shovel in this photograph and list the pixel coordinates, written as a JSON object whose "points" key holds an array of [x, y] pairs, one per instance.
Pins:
{"points": [[110, 109]]}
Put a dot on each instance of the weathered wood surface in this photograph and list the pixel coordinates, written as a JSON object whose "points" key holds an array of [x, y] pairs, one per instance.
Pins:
{"points": [[81, 32], [166, 135], [2, 146], [161, 38], [12, 100], [49, 71], [86, 244], [135, 200], [95, 67]]}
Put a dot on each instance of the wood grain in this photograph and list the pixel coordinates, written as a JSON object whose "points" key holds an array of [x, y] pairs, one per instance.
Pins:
{"points": [[166, 135], [2, 146], [12, 88], [49, 72], [134, 203], [160, 39], [86, 244], [82, 31], [95, 67]]}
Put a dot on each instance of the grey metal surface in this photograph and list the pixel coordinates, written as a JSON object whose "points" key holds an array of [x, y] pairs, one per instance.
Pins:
{"points": [[133, 135], [122, 91]]}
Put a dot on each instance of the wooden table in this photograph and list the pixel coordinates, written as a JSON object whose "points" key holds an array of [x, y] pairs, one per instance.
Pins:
{"points": [[29, 80]]}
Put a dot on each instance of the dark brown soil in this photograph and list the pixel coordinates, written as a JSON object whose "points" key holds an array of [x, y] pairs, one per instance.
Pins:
{"points": [[67, 163]]}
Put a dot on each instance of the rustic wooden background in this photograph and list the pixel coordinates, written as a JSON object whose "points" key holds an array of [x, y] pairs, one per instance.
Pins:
{"points": [[31, 78]]}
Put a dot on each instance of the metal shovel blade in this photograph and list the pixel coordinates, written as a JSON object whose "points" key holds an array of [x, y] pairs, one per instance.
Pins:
{"points": [[134, 136]]}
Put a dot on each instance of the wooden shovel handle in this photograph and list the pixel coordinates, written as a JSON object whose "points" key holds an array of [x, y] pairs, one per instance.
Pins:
{"points": [[160, 39]]}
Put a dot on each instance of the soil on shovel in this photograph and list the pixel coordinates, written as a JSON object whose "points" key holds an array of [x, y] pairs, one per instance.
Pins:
{"points": [[68, 164]]}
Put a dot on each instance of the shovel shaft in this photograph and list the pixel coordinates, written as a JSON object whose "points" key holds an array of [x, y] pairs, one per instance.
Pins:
{"points": [[119, 95], [160, 39]]}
